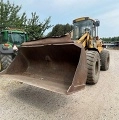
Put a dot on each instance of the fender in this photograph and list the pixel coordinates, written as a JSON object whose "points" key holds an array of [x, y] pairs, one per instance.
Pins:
{"points": [[6, 50]]}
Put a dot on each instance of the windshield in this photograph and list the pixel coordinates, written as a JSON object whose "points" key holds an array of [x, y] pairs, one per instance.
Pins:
{"points": [[17, 38], [82, 27]]}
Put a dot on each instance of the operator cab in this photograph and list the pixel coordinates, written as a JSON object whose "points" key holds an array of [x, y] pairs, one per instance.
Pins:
{"points": [[13, 36], [17, 37], [83, 25]]}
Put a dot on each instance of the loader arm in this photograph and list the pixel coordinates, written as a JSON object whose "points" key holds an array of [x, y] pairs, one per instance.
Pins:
{"points": [[84, 40], [91, 43]]}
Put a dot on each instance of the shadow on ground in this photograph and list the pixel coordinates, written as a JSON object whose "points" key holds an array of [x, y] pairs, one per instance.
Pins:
{"points": [[42, 99]]}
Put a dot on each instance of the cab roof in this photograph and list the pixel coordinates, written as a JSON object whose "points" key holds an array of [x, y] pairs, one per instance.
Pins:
{"points": [[81, 19], [13, 30]]}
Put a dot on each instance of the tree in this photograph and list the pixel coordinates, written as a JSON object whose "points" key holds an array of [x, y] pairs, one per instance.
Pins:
{"points": [[9, 16], [109, 39], [35, 28], [59, 30]]}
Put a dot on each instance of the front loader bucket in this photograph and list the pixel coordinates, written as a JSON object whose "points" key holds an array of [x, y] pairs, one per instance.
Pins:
{"points": [[59, 67]]}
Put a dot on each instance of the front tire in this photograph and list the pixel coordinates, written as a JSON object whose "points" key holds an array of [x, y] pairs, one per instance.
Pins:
{"points": [[93, 66], [6, 60]]}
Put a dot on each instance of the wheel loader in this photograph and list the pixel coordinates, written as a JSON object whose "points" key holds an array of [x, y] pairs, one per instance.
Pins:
{"points": [[62, 64]]}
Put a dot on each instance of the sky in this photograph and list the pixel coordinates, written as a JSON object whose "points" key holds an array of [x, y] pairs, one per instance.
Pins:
{"points": [[65, 11]]}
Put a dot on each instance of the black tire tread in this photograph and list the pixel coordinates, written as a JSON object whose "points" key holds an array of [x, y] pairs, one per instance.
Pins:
{"points": [[104, 63], [6, 60], [90, 66]]}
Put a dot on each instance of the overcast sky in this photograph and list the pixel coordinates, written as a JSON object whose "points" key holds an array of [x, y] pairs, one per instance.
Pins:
{"points": [[64, 11]]}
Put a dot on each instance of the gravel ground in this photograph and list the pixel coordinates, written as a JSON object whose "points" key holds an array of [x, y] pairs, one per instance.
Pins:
{"points": [[98, 102]]}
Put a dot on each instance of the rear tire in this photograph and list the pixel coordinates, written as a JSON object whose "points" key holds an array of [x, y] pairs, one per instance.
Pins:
{"points": [[105, 60], [93, 66], [6, 60]]}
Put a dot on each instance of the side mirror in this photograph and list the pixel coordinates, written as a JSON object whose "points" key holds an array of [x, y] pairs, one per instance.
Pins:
{"points": [[97, 23]]}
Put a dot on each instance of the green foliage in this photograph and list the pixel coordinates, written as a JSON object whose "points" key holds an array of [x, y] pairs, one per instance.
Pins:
{"points": [[35, 28], [9, 17], [111, 39], [59, 30]]}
